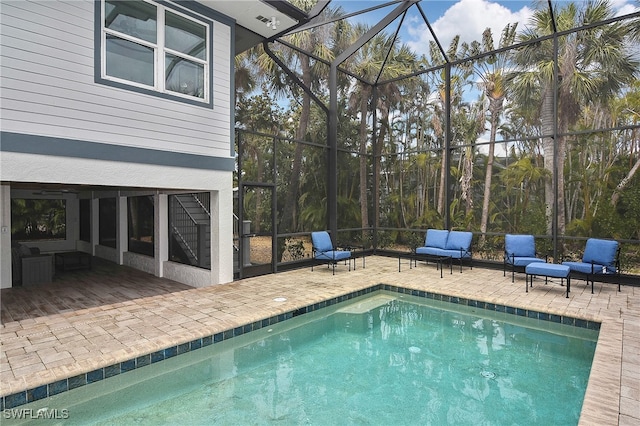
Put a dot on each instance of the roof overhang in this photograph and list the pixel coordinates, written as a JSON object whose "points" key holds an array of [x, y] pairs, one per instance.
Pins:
{"points": [[258, 20]]}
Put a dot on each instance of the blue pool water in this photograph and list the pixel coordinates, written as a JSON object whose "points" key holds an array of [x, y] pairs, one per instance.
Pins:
{"points": [[385, 359]]}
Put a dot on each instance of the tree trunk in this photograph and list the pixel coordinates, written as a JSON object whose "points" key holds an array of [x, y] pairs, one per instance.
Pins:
{"points": [[289, 220], [465, 179], [487, 190], [441, 190], [257, 223], [495, 106], [364, 209], [547, 122], [439, 134], [624, 182], [377, 155]]}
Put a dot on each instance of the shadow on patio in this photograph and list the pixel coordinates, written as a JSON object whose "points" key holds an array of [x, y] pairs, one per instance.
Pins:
{"points": [[106, 283]]}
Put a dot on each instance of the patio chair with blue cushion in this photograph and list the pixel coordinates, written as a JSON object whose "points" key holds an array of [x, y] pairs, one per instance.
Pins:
{"points": [[324, 252], [601, 259], [519, 251]]}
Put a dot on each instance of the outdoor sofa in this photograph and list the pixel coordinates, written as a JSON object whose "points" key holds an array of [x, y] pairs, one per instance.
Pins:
{"points": [[443, 243]]}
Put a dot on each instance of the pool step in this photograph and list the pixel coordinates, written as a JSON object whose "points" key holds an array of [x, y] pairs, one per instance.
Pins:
{"points": [[367, 305]]}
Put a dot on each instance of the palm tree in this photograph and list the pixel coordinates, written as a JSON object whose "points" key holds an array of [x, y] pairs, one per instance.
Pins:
{"points": [[593, 64], [243, 75], [457, 79], [520, 179], [492, 72], [311, 74], [389, 97], [380, 58]]}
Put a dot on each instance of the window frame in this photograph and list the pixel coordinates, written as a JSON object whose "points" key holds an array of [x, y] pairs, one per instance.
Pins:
{"points": [[160, 51]]}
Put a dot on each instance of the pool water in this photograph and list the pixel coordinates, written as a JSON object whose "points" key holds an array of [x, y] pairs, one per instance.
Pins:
{"points": [[385, 359]]}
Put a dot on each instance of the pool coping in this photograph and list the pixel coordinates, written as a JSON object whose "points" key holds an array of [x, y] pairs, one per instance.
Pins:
{"points": [[17, 399]]}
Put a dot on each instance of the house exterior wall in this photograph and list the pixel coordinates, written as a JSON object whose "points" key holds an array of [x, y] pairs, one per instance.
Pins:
{"points": [[60, 124], [5, 236], [49, 88]]}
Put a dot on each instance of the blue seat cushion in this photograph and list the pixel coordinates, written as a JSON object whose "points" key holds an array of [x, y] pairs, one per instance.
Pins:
{"points": [[520, 246], [321, 241], [459, 240], [547, 269], [589, 268], [334, 255], [522, 261], [434, 251], [454, 254], [436, 238], [601, 252]]}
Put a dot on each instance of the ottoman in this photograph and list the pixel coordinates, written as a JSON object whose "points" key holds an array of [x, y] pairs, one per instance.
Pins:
{"points": [[547, 270]]}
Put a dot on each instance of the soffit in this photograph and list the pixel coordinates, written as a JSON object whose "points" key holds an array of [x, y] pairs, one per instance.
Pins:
{"points": [[255, 19]]}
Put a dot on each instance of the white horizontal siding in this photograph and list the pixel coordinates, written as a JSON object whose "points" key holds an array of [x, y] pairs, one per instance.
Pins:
{"points": [[68, 11], [51, 169], [48, 87], [55, 20], [222, 77]]}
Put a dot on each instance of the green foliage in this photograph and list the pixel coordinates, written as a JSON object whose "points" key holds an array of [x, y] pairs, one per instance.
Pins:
{"points": [[621, 221], [492, 249], [430, 219], [38, 219], [415, 239], [402, 185], [579, 228], [260, 113], [385, 239]]}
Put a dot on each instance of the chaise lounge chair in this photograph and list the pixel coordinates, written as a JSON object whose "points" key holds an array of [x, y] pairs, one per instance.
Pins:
{"points": [[601, 258], [324, 252], [519, 251]]}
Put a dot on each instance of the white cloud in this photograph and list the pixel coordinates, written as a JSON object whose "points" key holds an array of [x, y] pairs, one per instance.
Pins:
{"points": [[626, 9], [468, 19]]}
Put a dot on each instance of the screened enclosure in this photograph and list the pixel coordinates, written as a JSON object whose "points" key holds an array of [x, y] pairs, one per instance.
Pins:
{"points": [[532, 128]]}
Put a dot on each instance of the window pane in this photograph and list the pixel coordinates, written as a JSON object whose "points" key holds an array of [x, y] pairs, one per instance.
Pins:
{"points": [[85, 220], [107, 216], [132, 17], [185, 36], [141, 224], [184, 76], [129, 61], [38, 220]]}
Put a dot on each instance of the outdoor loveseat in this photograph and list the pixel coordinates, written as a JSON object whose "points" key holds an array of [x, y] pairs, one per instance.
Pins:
{"points": [[453, 244]]}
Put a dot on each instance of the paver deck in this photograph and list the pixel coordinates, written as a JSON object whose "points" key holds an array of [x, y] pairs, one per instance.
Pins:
{"points": [[86, 320]]}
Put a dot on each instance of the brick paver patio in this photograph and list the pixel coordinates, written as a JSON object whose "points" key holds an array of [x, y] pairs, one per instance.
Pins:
{"points": [[88, 320]]}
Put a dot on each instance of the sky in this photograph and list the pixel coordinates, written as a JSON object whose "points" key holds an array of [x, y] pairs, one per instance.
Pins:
{"points": [[467, 18]]}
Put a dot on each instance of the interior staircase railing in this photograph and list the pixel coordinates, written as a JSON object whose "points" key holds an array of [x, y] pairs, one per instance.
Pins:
{"points": [[185, 227], [204, 200]]}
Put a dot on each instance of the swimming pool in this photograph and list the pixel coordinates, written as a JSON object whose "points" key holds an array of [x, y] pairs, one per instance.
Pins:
{"points": [[388, 358]]}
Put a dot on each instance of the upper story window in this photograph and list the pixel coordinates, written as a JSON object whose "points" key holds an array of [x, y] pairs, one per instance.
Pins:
{"points": [[147, 45]]}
